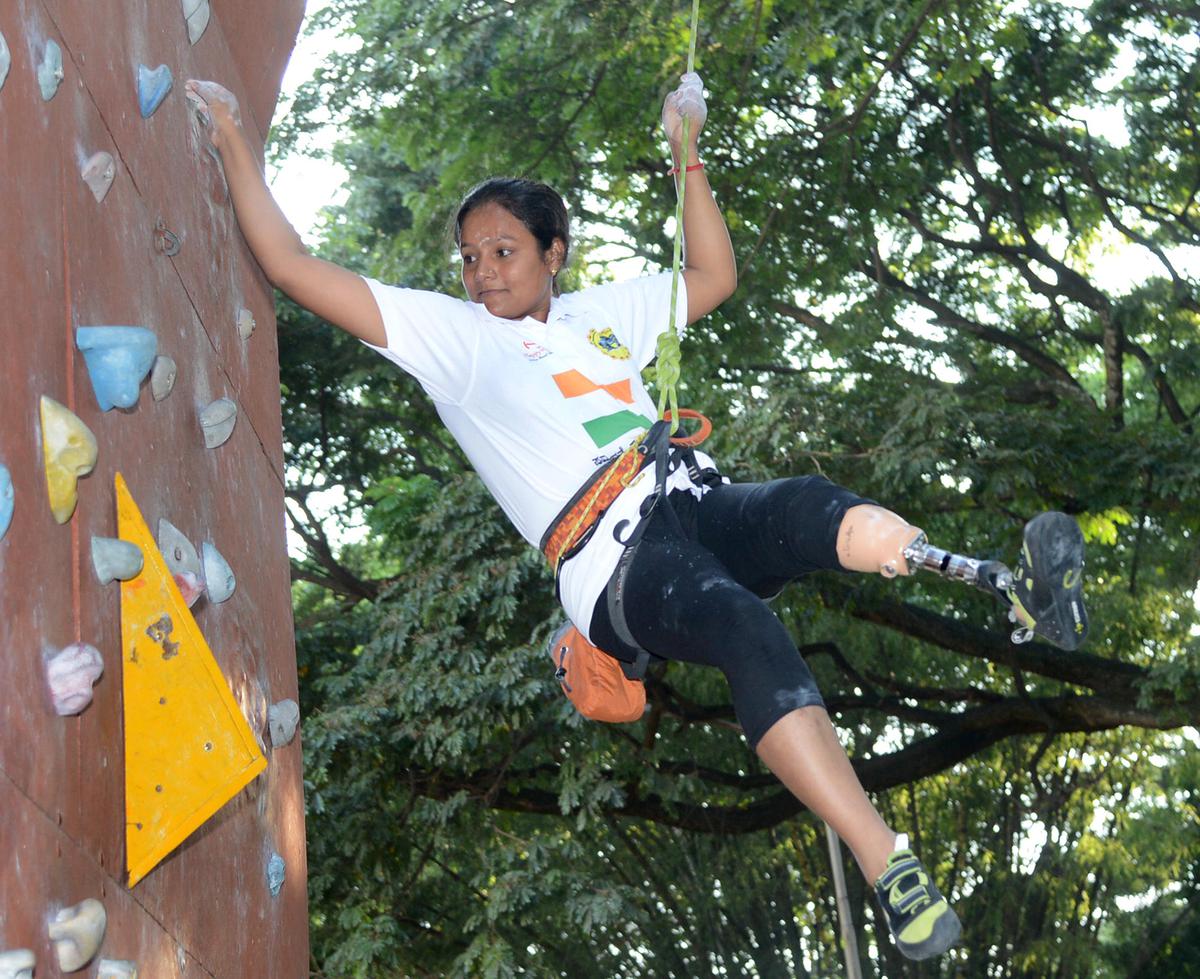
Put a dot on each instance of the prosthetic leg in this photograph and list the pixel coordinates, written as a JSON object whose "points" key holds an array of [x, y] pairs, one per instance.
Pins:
{"points": [[1044, 595]]}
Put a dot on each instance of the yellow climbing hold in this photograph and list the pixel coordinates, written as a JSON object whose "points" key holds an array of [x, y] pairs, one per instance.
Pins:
{"points": [[188, 749], [69, 451]]}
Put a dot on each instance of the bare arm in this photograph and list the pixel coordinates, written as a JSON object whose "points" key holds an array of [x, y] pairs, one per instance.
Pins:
{"points": [[709, 268], [330, 291]]}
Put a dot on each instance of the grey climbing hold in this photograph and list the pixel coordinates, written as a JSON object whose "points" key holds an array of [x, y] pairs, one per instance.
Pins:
{"points": [[114, 559], [117, 969], [118, 359], [245, 323], [5, 64], [218, 420], [218, 576], [98, 174], [6, 499], [182, 561], [177, 550], [70, 673], [153, 84], [282, 719], [162, 376], [50, 71], [276, 872], [17, 963], [196, 13], [77, 933]]}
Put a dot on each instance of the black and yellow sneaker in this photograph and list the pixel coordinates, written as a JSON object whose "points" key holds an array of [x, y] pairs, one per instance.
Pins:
{"points": [[919, 918], [1047, 585]]}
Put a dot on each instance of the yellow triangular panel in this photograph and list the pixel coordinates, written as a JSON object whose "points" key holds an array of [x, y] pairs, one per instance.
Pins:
{"points": [[188, 749]]}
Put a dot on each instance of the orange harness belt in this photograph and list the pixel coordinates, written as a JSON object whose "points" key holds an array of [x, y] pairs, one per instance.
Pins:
{"points": [[590, 503], [571, 526]]}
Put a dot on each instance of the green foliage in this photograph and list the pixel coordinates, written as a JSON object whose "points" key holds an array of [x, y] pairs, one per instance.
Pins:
{"points": [[925, 201]]}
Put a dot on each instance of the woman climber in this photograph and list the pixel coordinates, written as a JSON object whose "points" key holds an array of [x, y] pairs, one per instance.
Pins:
{"points": [[543, 391]]}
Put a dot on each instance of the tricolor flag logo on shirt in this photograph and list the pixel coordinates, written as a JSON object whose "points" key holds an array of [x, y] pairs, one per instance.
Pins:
{"points": [[605, 428]]}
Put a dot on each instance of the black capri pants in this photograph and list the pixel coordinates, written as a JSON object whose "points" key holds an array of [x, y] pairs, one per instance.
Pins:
{"points": [[701, 598]]}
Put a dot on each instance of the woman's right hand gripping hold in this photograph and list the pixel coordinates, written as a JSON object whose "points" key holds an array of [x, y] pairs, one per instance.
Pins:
{"points": [[330, 291]]}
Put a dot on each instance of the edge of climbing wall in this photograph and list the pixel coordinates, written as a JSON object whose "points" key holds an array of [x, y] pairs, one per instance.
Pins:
{"points": [[139, 340]]}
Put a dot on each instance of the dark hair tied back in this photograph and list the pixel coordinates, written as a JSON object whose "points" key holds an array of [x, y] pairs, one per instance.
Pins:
{"points": [[536, 205]]}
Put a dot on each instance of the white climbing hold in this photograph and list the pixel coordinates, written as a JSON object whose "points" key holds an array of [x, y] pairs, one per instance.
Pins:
{"points": [[182, 561], [282, 719], [217, 421], [5, 64], [117, 969], [162, 376], [198, 22], [218, 576], [77, 933], [50, 71], [245, 323], [17, 963], [179, 552]]}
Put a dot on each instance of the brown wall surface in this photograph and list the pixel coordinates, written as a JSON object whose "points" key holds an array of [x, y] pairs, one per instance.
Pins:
{"points": [[67, 261]]}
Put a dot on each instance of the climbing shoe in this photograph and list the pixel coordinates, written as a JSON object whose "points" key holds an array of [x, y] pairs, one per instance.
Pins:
{"points": [[1046, 593], [919, 918]]}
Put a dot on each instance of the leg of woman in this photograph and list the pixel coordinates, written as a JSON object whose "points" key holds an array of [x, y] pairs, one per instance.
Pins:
{"points": [[768, 534], [803, 751], [681, 603]]}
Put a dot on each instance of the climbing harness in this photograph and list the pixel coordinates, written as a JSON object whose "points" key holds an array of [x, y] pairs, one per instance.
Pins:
{"points": [[602, 686], [574, 525]]}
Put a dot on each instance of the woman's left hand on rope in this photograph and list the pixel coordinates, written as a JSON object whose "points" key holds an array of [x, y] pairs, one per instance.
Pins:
{"points": [[686, 100]]}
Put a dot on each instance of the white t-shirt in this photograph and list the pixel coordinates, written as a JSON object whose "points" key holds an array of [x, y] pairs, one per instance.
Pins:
{"points": [[537, 407]]}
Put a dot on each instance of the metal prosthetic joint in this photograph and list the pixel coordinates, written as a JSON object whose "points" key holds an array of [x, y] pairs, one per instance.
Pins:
{"points": [[990, 576]]}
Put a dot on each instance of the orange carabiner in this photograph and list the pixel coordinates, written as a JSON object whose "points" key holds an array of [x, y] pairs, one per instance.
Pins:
{"points": [[697, 437]]}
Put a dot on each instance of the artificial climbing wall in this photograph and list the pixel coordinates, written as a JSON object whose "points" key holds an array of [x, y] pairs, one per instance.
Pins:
{"points": [[161, 251]]}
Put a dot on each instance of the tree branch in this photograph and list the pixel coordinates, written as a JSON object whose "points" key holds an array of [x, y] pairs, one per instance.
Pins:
{"points": [[318, 545]]}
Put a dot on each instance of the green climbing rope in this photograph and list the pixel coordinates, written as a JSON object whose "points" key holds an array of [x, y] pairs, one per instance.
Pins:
{"points": [[668, 352]]}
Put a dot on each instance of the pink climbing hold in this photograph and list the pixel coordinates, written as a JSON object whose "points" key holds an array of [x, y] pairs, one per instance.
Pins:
{"points": [[71, 673], [190, 585]]}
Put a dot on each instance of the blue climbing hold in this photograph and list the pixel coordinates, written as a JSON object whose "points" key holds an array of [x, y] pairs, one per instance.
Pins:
{"points": [[118, 360], [6, 499], [50, 71], [153, 84]]}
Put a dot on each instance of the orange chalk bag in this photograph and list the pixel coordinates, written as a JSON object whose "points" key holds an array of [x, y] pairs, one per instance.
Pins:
{"points": [[602, 687], [594, 681]]}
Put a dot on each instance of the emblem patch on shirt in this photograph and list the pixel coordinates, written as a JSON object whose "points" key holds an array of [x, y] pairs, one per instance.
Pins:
{"points": [[607, 343], [533, 351]]}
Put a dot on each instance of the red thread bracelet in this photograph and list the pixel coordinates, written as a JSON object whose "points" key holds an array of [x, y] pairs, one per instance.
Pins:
{"points": [[688, 169]]}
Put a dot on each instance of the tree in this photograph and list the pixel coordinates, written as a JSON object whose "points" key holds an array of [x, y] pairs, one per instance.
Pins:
{"points": [[922, 200]]}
